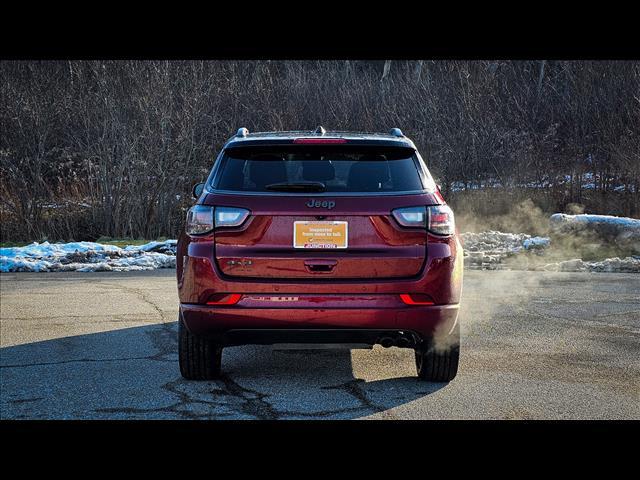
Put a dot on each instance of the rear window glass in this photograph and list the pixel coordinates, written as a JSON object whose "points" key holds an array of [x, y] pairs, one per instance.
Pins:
{"points": [[337, 169]]}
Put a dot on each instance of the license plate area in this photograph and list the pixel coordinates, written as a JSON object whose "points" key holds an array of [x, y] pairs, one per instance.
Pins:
{"points": [[320, 234]]}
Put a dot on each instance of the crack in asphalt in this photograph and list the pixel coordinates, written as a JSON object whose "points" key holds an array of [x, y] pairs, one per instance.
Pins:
{"points": [[248, 402], [79, 360], [163, 340], [252, 402], [353, 388], [239, 400], [26, 400], [140, 293], [148, 390], [227, 393], [181, 408]]}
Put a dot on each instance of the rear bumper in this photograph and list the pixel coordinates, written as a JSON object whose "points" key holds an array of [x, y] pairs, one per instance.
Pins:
{"points": [[199, 277], [272, 310], [238, 325]]}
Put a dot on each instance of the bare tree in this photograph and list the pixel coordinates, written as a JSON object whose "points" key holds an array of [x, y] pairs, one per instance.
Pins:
{"points": [[112, 148]]}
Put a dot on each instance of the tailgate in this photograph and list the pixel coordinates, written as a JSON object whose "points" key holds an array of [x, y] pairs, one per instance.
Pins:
{"points": [[266, 248]]}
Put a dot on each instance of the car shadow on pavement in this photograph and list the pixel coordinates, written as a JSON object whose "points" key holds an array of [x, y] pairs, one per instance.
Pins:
{"points": [[133, 373]]}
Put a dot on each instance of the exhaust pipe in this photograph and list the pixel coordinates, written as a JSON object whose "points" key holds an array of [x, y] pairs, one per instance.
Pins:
{"points": [[386, 342]]}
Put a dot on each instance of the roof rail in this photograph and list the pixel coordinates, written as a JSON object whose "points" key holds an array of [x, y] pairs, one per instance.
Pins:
{"points": [[396, 132], [242, 132], [320, 130]]}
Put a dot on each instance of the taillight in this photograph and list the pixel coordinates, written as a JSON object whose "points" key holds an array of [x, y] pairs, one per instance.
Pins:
{"points": [[319, 141], [441, 221], [437, 219], [416, 299], [199, 220], [230, 216], [202, 219], [410, 216], [224, 299]]}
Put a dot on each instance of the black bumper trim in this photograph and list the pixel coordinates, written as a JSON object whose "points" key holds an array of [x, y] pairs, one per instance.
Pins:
{"points": [[318, 335]]}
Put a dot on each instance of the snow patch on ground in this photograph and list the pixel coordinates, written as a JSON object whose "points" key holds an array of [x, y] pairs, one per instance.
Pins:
{"points": [[489, 249], [536, 242], [559, 220], [46, 249], [484, 250], [168, 246], [621, 231], [611, 265], [87, 257]]}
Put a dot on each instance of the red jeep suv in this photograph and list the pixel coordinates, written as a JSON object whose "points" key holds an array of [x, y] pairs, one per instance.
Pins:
{"points": [[319, 237]]}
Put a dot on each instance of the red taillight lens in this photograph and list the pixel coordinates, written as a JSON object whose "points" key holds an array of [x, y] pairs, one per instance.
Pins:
{"points": [[224, 299], [441, 220], [416, 299], [320, 141], [199, 220]]}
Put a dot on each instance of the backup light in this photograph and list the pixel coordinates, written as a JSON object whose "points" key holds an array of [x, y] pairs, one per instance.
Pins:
{"points": [[230, 216], [411, 216]]}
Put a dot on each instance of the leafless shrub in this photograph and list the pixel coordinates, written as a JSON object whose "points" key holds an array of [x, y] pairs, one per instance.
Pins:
{"points": [[93, 148]]}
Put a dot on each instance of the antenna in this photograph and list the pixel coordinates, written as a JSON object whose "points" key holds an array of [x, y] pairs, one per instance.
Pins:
{"points": [[320, 130], [242, 132], [396, 132]]}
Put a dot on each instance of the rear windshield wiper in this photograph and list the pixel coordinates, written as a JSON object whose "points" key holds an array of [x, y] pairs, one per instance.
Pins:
{"points": [[297, 187]]}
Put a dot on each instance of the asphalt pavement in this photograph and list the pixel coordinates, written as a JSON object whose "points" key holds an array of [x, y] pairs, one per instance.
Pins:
{"points": [[535, 345]]}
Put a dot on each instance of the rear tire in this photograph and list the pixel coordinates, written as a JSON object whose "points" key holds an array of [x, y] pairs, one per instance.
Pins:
{"points": [[436, 364], [199, 357]]}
